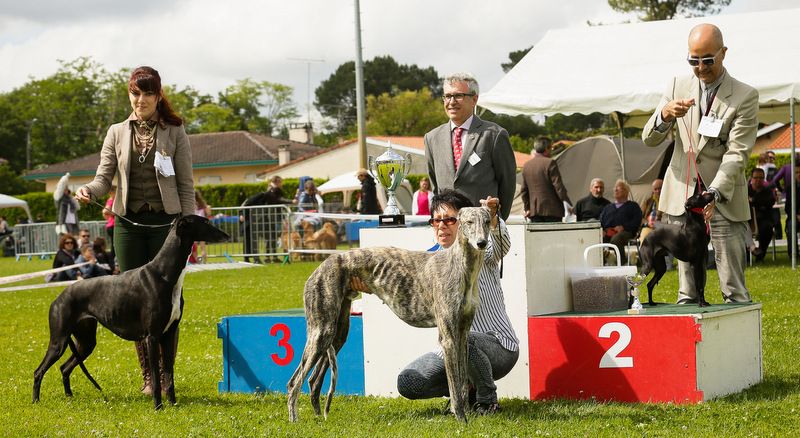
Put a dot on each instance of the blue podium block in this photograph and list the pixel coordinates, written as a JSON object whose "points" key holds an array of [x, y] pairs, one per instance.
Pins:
{"points": [[261, 351]]}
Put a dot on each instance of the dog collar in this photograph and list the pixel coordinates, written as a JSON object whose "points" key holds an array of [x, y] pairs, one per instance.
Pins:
{"points": [[697, 210]]}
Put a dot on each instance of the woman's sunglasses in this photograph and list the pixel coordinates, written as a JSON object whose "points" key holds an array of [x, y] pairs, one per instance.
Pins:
{"points": [[447, 220]]}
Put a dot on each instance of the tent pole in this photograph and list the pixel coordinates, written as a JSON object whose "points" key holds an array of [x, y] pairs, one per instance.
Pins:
{"points": [[793, 190], [621, 124]]}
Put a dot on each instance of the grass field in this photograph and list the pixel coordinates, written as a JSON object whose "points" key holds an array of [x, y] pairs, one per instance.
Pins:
{"points": [[771, 408]]}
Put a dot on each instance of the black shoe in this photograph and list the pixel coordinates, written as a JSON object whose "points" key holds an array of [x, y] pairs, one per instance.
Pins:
{"points": [[487, 408]]}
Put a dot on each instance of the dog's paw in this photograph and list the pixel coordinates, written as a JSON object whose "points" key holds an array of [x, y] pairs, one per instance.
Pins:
{"points": [[703, 303]]}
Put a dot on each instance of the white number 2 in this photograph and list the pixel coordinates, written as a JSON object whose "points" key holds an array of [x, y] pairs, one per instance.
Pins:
{"points": [[610, 358]]}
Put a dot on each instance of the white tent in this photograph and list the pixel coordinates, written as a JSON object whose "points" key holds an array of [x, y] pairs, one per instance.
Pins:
{"points": [[10, 201], [625, 68]]}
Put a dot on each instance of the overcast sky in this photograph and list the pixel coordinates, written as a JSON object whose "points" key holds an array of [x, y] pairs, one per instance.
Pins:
{"points": [[209, 44]]}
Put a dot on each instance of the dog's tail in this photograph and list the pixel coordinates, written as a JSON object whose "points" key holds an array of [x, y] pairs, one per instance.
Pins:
{"points": [[334, 376], [80, 363]]}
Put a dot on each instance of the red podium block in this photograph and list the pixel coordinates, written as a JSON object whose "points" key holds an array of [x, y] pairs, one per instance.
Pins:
{"points": [[667, 356]]}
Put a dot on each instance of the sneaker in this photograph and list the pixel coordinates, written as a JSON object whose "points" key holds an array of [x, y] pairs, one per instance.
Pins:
{"points": [[486, 408]]}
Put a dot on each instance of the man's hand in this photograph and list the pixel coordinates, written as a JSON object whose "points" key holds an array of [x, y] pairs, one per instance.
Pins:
{"points": [[676, 109], [708, 211], [493, 204], [619, 228], [358, 285], [83, 195]]}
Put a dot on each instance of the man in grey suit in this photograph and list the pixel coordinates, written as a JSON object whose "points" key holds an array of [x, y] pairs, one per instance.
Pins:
{"points": [[543, 194], [715, 116], [468, 154]]}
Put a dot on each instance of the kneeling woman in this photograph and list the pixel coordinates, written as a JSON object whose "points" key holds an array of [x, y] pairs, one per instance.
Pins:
{"points": [[492, 345]]}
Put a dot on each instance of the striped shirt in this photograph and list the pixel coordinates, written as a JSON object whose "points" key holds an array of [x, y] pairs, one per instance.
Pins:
{"points": [[491, 316]]}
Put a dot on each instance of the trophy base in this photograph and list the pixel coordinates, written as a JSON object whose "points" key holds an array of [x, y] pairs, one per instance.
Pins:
{"points": [[391, 220], [637, 311]]}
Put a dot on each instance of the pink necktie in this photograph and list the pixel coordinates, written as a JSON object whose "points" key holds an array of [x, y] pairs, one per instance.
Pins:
{"points": [[457, 147]]}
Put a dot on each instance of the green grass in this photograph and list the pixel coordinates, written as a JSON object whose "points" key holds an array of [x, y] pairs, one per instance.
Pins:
{"points": [[768, 409]]}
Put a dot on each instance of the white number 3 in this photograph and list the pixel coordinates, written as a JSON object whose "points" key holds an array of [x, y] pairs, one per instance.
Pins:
{"points": [[610, 358]]}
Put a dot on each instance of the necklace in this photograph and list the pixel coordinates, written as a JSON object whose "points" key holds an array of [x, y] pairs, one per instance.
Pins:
{"points": [[144, 138]]}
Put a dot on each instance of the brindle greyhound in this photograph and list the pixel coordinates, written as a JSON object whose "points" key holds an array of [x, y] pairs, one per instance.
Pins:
{"points": [[143, 303], [424, 289]]}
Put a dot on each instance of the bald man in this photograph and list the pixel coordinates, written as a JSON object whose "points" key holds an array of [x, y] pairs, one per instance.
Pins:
{"points": [[715, 118]]}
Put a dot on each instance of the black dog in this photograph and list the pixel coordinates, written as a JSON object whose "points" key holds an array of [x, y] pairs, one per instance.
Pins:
{"points": [[141, 304], [687, 242]]}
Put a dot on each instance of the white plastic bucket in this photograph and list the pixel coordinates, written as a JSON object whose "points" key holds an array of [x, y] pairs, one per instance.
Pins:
{"points": [[600, 288]]}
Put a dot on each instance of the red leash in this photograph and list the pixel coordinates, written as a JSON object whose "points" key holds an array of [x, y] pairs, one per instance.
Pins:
{"points": [[689, 162]]}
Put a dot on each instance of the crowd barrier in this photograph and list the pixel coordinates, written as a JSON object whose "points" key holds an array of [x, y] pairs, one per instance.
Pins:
{"points": [[41, 240], [258, 233]]}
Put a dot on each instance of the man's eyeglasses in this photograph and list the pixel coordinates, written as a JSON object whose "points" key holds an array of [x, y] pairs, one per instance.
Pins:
{"points": [[434, 221], [458, 97], [708, 60]]}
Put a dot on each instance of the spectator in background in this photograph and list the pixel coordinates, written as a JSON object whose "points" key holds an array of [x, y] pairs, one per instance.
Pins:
{"points": [[4, 227], [108, 215], [369, 195], [93, 269], [766, 162], [255, 222], [783, 178], [67, 213], [590, 207], [84, 238], [202, 209], [104, 257], [620, 219], [762, 198], [650, 213], [309, 201], [421, 200], [544, 196], [791, 241], [65, 256]]}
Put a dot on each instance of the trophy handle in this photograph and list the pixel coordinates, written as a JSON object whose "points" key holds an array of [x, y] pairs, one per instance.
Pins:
{"points": [[407, 165], [370, 162]]}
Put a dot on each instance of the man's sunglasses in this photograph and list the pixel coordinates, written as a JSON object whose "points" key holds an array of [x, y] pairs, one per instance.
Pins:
{"points": [[708, 60], [447, 220]]}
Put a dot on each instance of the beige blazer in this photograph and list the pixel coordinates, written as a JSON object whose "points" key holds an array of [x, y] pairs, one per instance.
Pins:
{"points": [[721, 161], [177, 192]]}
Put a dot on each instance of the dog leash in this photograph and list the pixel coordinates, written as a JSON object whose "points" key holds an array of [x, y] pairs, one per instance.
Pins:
{"points": [[103, 207], [689, 162]]}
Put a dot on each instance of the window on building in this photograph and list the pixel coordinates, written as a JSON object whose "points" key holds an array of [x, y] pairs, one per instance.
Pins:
{"points": [[203, 180]]}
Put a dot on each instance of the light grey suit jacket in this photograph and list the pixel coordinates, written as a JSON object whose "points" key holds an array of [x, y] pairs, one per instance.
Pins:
{"points": [[177, 192], [721, 161], [493, 175]]}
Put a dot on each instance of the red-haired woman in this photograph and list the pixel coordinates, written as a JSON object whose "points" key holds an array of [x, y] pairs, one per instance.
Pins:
{"points": [[150, 155]]}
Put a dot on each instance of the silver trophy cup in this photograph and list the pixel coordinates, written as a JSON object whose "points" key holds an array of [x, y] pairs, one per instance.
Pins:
{"points": [[390, 169], [634, 281]]}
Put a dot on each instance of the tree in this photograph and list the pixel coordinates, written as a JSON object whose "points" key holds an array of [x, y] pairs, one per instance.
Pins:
{"points": [[259, 106], [336, 96], [406, 113], [514, 57], [651, 10]]}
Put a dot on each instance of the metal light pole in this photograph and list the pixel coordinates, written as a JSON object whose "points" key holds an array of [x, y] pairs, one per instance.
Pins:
{"points": [[308, 62], [28, 145], [362, 140]]}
